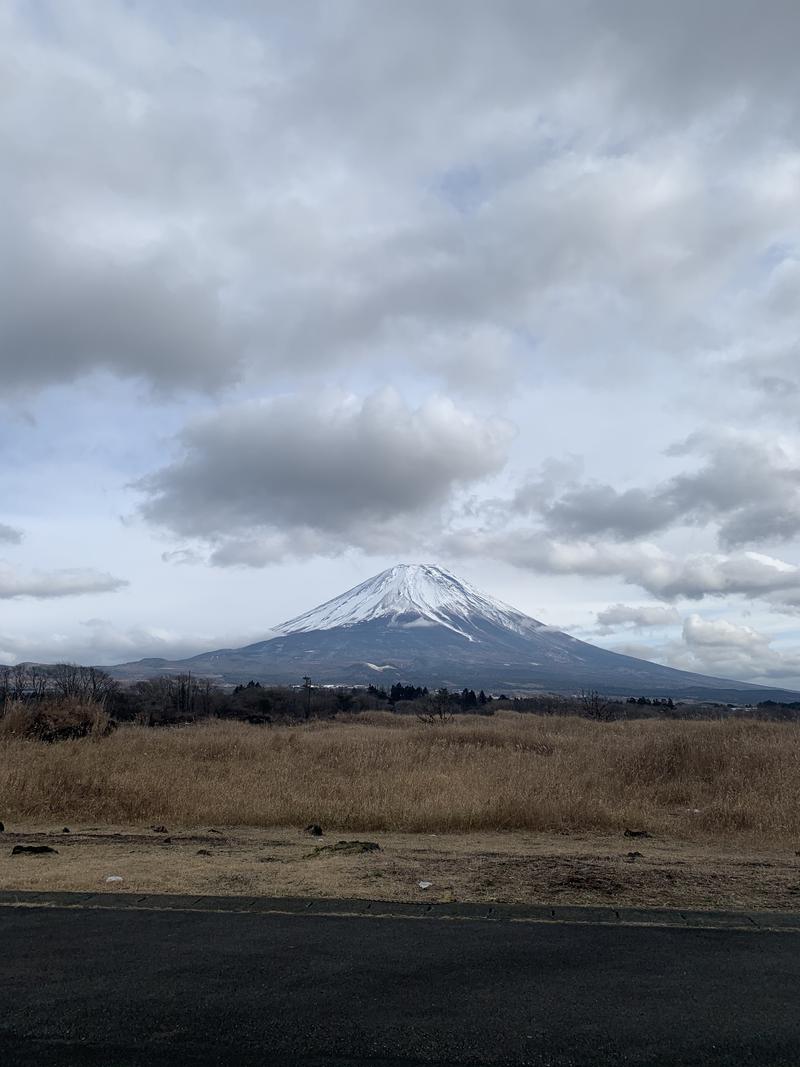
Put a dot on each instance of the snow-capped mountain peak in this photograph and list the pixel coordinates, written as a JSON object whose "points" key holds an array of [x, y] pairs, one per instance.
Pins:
{"points": [[419, 624], [412, 594]]}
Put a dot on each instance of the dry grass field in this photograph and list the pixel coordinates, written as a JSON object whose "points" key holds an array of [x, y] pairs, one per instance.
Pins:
{"points": [[696, 780], [509, 807]]}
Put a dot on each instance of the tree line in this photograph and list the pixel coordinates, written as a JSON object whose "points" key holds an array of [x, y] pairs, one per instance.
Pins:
{"points": [[183, 697]]}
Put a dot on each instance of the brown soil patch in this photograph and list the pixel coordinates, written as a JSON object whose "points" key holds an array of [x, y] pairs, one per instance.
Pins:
{"points": [[512, 867]]}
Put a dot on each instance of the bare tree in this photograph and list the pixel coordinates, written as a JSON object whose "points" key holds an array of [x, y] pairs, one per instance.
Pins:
{"points": [[67, 680], [88, 684], [99, 686], [39, 683], [183, 695], [19, 681], [596, 706], [177, 697], [23, 682], [436, 709], [205, 696]]}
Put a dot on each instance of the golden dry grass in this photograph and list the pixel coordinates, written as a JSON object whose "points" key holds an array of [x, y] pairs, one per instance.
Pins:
{"points": [[693, 780]]}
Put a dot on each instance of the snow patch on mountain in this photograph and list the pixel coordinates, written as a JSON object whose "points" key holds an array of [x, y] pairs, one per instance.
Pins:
{"points": [[417, 594]]}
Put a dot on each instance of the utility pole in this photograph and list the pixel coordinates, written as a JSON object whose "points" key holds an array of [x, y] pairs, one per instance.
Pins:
{"points": [[307, 687]]}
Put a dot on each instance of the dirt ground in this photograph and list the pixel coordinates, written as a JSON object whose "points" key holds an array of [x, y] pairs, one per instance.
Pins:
{"points": [[481, 867]]}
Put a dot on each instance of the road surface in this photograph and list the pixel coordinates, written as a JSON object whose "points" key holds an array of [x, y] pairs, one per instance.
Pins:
{"points": [[145, 982]]}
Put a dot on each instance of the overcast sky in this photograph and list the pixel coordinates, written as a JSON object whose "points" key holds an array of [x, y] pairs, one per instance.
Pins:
{"points": [[292, 292]]}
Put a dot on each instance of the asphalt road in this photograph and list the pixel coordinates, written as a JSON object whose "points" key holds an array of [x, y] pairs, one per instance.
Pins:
{"points": [[133, 987]]}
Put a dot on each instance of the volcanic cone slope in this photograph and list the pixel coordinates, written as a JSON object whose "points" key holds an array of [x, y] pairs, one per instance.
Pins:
{"points": [[421, 624]]}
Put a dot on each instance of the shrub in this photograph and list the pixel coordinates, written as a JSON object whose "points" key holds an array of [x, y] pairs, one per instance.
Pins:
{"points": [[61, 720]]}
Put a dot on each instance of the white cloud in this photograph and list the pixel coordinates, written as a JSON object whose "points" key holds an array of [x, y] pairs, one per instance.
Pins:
{"points": [[719, 633], [43, 585], [101, 642], [723, 648]]}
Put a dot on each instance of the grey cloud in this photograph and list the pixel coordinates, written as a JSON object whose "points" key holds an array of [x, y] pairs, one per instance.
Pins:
{"points": [[605, 246], [187, 556], [494, 53], [10, 535], [536, 493], [662, 574], [313, 476], [69, 309], [775, 387], [749, 488], [259, 549], [601, 509], [529, 256], [638, 616], [747, 574], [231, 198], [42, 585], [404, 535], [777, 520]]}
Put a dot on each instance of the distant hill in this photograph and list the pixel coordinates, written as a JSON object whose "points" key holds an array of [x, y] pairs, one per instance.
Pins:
{"points": [[421, 624]]}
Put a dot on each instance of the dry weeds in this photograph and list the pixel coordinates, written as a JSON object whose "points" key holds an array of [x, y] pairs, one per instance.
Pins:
{"points": [[701, 781]]}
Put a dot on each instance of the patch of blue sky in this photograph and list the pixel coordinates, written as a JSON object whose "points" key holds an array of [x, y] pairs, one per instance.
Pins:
{"points": [[781, 640], [39, 15], [72, 440], [756, 270], [776, 253], [463, 188], [618, 148]]}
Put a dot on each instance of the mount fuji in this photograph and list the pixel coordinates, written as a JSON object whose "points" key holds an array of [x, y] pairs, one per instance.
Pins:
{"points": [[420, 624]]}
